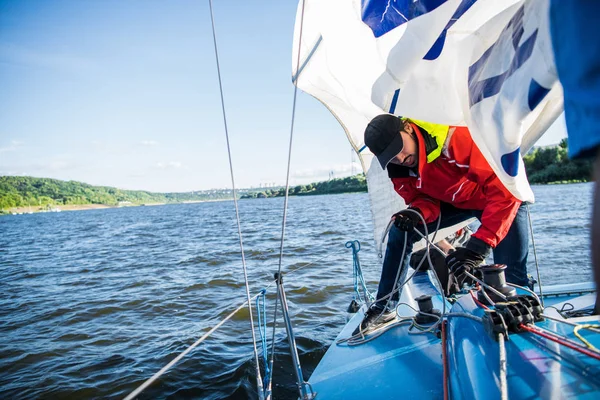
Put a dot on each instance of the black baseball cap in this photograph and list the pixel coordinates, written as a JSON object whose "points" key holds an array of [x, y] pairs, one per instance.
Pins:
{"points": [[382, 137]]}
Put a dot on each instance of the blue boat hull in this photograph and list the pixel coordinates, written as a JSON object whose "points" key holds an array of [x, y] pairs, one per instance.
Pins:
{"points": [[402, 364]]}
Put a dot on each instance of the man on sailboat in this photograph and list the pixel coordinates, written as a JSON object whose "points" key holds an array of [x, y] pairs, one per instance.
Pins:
{"points": [[440, 173]]}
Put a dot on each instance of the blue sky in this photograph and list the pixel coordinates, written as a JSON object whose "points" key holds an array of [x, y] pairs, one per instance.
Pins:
{"points": [[125, 94]]}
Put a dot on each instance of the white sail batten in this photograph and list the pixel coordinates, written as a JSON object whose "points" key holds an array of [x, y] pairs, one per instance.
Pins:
{"points": [[486, 64]]}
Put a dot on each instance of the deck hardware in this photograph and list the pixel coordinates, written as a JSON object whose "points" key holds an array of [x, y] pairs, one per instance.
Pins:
{"points": [[427, 314], [511, 316], [493, 276], [304, 388]]}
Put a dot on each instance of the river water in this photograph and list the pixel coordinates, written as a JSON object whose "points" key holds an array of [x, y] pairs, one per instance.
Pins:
{"points": [[94, 302]]}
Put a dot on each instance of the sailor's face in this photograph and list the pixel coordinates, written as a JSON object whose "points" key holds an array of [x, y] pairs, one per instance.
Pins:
{"points": [[409, 156]]}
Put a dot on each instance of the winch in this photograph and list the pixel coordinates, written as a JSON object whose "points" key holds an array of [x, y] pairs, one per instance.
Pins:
{"points": [[493, 275]]}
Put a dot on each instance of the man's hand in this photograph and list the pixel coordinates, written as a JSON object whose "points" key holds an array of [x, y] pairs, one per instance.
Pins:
{"points": [[466, 259], [406, 220]]}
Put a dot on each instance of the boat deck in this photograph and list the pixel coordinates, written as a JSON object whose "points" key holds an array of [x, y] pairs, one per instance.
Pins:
{"points": [[398, 363], [392, 364]]}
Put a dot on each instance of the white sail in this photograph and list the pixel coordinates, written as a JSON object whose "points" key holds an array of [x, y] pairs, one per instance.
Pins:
{"points": [[486, 64]]}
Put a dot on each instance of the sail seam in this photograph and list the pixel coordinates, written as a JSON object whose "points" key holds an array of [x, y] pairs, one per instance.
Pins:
{"points": [[312, 52]]}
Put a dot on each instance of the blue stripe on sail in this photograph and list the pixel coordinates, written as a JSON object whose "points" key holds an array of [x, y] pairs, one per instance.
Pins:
{"points": [[510, 162], [482, 89], [394, 101], [307, 59], [536, 94], [362, 148], [382, 15], [435, 50]]}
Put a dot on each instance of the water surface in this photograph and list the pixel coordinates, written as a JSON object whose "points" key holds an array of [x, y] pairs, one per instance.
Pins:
{"points": [[94, 302]]}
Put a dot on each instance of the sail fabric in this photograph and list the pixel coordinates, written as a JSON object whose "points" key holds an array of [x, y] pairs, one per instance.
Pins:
{"points": [[485, 64]]}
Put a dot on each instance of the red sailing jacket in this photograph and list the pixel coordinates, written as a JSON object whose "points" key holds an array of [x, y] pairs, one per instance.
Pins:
{"points": [[460, 176]]}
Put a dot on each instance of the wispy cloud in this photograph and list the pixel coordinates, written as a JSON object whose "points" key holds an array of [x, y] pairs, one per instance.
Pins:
{"points": [[57, 165], [169, 165], [111, 147], [40, 168], [13, 146], [15, 54], [149, 143], [8, 172], [324, 172]]}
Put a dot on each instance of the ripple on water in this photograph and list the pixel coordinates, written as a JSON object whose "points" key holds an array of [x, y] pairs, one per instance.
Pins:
{"points": [[96, 302]]}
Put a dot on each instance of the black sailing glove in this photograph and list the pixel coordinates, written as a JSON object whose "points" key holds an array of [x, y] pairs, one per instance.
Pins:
{"points": [[467, 259], [406, 220]]}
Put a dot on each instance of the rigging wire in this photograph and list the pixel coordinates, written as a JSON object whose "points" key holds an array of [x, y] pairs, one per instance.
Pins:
{"points": [[164, 369], [285, 201], [537, 267], [237, 211], [157, 375]]}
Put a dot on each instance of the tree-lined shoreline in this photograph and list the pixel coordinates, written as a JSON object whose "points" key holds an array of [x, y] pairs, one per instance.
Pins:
{"points": [[40, 194], [551, 165], [544, 165]]}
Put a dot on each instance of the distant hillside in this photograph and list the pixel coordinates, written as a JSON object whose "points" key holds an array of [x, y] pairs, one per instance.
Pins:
{"points": [[543, 165], [356, 183], [24, 191]]}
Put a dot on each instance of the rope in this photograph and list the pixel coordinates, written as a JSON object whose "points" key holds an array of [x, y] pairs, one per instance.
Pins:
{"points": [[557, 339], [537, 267], [357, 274], [164, 369], [237, 212], [445, 360], [353, 339], [429, 244], [585, 326], [287, 188], [528, 291], [383, 236], [465, 315], [487, 297], [262, 329], [485, 285], [564, 321], [480, 304], [503, 368]]}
